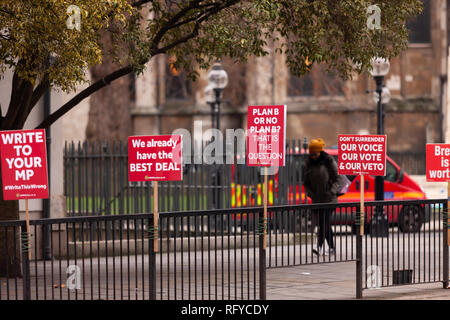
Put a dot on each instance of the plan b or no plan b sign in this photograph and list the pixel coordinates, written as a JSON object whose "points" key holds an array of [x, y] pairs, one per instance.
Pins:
{"points": [[266, 136], [362, 155]]}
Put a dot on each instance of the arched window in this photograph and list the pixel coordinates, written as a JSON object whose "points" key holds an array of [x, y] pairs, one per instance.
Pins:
{"points": [[178, 86], [318, 82], [420, 26]]}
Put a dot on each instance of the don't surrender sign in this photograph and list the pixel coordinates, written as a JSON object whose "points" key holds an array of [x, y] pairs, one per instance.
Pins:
{"points": [[362, 155]]}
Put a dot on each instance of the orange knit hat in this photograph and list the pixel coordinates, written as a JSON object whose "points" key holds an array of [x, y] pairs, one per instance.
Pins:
{"points": [[316, 145]]}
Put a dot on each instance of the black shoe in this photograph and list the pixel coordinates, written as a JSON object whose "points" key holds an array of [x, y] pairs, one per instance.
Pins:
{"points": [[318, 251]]}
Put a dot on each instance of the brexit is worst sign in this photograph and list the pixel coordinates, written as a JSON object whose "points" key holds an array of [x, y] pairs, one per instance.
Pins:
{"points": [[438, 162], [24, 164]]}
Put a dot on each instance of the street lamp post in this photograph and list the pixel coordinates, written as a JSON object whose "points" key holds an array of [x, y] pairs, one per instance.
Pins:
{"points": [[380, 68], [217, 81], [210, 100]]}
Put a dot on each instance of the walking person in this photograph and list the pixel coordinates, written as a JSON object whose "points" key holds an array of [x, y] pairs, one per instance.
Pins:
{"points": [[320, 179]]}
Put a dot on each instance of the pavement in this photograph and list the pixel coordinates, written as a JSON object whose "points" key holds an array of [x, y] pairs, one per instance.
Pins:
{"points": [[337, 281], [227, 275], [325, 281]]}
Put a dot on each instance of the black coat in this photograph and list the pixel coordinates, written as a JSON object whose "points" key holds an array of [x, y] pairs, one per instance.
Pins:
{"points": [[320, 178]]}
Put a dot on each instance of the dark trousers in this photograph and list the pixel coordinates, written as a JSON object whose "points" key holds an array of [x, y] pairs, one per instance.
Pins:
{"points": [[325, 232]]}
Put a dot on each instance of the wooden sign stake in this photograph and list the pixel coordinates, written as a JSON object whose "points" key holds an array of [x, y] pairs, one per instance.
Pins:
{"points": [[362, 207], [448, 218], [155, 216], [28, 228], [265, 208]]}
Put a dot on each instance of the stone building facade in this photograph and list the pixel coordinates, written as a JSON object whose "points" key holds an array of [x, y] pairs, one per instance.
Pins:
{"points": [[319, 104]]}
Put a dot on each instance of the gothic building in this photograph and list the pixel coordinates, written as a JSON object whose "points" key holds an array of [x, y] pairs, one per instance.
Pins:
{"points": [[319, 104]]}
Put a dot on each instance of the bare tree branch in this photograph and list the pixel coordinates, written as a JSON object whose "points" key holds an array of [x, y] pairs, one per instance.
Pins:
{"points": [[39, 91], [21, 94], [140, 3], [189, 36], [194, 4], [83, 95], [169, 23]]}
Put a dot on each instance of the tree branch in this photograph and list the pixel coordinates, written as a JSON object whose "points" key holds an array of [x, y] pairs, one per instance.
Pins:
{"points": [[33, 97], [128, 69], [39, 91], [7, 12], [83, 95], [169, 23], [215, 8], [189, 36], [140, 3], [21, 93]]}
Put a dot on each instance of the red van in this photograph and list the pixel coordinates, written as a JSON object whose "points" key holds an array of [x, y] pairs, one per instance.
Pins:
{"points": [[397, 186]]}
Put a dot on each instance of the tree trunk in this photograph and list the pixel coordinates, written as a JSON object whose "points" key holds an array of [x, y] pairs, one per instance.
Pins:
{"points": [[109, 111], [10, 245]]}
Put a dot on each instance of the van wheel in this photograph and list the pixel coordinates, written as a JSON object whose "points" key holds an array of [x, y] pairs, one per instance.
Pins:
{"points": [[410, 219]]}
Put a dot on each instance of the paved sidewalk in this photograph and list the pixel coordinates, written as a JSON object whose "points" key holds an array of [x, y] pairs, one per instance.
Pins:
{"points": [[337, 281]]}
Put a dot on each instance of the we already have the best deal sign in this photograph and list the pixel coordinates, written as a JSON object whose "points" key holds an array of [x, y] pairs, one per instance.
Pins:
{"points": [[155, 158]]}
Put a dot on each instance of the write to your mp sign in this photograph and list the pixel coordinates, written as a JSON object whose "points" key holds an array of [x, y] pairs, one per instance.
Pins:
{"points": [[362, 155], [438, 162], [155, 158], [266, 136], [24, 164]]}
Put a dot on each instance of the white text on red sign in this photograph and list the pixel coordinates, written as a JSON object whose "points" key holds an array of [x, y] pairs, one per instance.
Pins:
{"points": [[438, 162], [362, 154]]}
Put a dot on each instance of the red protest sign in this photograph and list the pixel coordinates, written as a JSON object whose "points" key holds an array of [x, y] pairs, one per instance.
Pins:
{"points": [[24, 164], [362, 155], [438, 162], [154, 158], [266, 136]]}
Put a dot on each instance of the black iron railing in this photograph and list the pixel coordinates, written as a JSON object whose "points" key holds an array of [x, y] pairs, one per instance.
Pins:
{"points": [[219, 254], [96, 182]]}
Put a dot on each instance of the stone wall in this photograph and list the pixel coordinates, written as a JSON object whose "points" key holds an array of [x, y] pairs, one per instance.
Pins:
{"points": [[413, 117]]}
